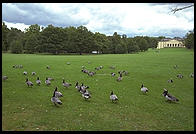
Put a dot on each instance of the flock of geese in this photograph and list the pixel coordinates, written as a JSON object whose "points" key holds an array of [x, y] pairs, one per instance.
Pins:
{"points": [[83, 89]]}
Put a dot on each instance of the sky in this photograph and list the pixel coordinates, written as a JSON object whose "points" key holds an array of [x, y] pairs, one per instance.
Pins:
{"points": [[132, 19]]}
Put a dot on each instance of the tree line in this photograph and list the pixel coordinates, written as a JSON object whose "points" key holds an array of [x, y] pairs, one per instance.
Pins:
{"points": [[58, 40]]}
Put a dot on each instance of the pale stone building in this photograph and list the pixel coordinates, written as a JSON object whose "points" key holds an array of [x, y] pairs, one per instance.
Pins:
{"points": [[170, 43]]}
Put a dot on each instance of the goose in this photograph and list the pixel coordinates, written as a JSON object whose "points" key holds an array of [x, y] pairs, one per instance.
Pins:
{"points": [[20, 66], [83, 86], [97, 68], [48, 67], [33, 73], [77, 86], [180, 76], [119, 78], [29, 83], [168, 96], [65, 84], [125, 72], [112, 67], [25, 73], [57, 93], [113, 97], [91, 73], [170, 81], [175, 66], [4, 78], [113, 74], [14, 66], [192, 75], [55, 99], [86, 94], [101, 67], [47, 82], [38, 81], [144, 89]]}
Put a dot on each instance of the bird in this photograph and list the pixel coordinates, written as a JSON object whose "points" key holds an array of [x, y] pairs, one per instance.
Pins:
{"points": [[68, 63], [86, 94], [113, 74], [113, 97], [192, 75], [57, 93], [125, 72], [33, 73], [101, 67], [180, 76], [20, 66], [29, 83], [84, 87], [47, 81], [38, 81], [48, 67], [144, 89], [25, 73], [169, 97], [91, 73], [120, 77], [65, 84], [170, 81], [4, 78], [77, 86], [55, 99]]}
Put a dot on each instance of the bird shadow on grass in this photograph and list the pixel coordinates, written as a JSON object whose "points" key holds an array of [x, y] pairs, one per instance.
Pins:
{"points": [[171, 102]]}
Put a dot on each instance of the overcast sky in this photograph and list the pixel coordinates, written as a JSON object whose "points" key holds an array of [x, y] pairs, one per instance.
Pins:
{"points": [[132, 19]]}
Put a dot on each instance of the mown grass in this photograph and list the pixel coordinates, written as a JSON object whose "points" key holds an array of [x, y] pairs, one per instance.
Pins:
{"points": [[26, 108]]}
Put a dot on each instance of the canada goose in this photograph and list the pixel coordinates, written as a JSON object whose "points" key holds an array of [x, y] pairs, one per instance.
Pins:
{"points": [[65, 84], [77, 86], [101, 67], [191, 75], [86, 94], [83, 86], [33, 73], [48, 67], [119, 78], [97, 68], [113, 74], [4, 78], [169, 96], [56, 100], [14, 66], [144, 89], [125, 72], [29, 83], [112, 67], [180, 76], [170, 81], [25, 73], [57, 93], [20, 66], [38, 81], [47, 81], [175, 66], [91, 73], [113, 97]]}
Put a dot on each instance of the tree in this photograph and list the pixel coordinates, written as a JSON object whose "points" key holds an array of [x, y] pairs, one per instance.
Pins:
{"points": [[189, 40], [16, 47], [5, 31]]}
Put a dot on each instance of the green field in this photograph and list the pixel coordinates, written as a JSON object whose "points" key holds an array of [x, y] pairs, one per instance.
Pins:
{"points": [[26, 108]]}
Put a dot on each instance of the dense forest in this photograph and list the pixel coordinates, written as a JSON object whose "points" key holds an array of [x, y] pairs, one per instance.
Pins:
{"points": [[58, 40]]}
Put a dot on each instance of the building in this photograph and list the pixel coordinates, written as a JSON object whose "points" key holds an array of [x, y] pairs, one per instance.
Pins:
{"points": [[176, 42]]}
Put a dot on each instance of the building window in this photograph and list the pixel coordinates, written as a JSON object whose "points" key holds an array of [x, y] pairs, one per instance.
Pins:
{"points": [[178, 45], [167, 45]]}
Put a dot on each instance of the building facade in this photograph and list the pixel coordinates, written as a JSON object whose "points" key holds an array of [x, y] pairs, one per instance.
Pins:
{"points": [[170, 43]]}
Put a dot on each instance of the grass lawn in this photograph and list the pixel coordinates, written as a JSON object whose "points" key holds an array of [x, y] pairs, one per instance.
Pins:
{"points": [[26, 108]]}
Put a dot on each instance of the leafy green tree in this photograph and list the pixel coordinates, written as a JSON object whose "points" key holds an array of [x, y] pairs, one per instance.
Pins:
{"points": [[5, 31], [16, 47], [189, 40]]}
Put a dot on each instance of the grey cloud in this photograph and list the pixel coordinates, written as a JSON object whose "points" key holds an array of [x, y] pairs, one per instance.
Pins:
{"points": [[35, 14]]}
